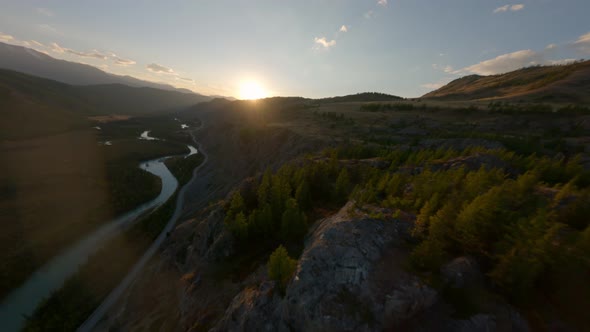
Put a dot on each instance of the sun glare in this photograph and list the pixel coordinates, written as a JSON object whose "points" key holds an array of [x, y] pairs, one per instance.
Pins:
{"points": [[252, 90]]}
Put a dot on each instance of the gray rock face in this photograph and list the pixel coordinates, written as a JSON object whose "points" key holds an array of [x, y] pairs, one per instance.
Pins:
{"points": [[335, 286], [407, 301]]}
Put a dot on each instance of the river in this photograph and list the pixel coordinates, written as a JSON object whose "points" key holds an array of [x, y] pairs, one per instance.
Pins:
{"points": [[116, 293], [23, 300]]}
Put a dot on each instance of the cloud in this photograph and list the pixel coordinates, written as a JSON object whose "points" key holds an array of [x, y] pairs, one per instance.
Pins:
{"points": [[382, 3], [121, 61], [369, 15], [5, 37], [551, 46], [447, 69], [44, 11], [505, 8], [56, 48], [505, 63], [582, 44], [344, 28], [36, 43], [186, 79], [561, 62], [433, 86], [517, 7], [94, 54], [324, 43], [156, 68]]}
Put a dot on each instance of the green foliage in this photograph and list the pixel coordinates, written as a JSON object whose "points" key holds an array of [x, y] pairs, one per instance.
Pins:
{"points": [[342, 187], [303, 196], [283, 198], [293, 221], [281, 267]]}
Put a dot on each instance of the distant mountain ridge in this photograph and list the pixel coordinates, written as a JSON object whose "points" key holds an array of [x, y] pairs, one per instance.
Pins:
{"points": [[29, 61], [363, 96], [560, 83], [32, 106]]}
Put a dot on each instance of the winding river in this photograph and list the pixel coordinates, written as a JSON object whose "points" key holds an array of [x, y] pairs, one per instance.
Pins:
{"points": [[22, 301]]}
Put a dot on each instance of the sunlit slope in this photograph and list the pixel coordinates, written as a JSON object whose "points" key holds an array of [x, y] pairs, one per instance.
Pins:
{"points": [[566, 83]]}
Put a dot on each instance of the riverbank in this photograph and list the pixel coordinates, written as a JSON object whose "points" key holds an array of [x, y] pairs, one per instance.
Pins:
{"points": [[68, 307]]}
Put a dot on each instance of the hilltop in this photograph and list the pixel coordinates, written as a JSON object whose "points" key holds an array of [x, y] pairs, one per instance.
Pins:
{"points": [[560, 83]]}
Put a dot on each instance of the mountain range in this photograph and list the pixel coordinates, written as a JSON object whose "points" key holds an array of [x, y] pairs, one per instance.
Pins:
{"points": [[29, 61]]}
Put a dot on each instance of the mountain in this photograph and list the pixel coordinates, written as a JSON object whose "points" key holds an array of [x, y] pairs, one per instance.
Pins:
{"points": [[365, 96], [561, 83], [33, 106], [35, 63]]}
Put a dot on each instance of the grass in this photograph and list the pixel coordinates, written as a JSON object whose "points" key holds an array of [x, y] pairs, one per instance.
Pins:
{"points": [[182, 167]]}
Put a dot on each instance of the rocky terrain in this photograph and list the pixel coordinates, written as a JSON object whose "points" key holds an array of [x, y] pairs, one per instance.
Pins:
{"points": [[353, 271], [351, 276]]}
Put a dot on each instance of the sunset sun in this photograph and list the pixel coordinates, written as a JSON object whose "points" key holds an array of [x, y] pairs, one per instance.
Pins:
{"points": [[250, 90]]}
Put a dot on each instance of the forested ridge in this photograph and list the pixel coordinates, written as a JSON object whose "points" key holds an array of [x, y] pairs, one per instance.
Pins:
{"points": [[522, 217]]}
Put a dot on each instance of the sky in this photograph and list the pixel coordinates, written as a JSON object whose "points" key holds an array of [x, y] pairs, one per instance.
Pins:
{"points": [[302, 48]]}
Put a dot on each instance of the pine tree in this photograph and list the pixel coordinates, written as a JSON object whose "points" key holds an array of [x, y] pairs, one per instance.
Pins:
{"points": [[293, 221], [281, 267], [303, 196], [264, 189], [342, 187], [238, 226]]}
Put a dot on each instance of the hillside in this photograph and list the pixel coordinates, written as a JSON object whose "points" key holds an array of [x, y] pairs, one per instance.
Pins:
{"points": [[33, 106], [566, 83], [35, 63], [365, 96]]}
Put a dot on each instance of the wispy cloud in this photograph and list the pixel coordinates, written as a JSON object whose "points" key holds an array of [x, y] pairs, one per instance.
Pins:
{"points": [[92, 54], [36, 43], [561, 62], [44, 12], [582, 44], [56, 48], [186, 79], [322, 42], [382, 3], [432, 86], [505, 8], [5, 37], [369, 15], [506, 62], [551, 47], [159, 69], [343, 28], [445, 68], [121, 61]]}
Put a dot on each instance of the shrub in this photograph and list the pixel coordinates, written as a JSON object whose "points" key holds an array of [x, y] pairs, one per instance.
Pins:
{"points": [[281, 267]]}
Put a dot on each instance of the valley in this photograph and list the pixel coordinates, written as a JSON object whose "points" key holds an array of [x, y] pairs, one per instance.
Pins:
{"points": [[140, 208]]}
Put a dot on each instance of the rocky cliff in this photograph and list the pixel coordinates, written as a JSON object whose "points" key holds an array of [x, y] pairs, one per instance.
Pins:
{"points": [[351, 276]]}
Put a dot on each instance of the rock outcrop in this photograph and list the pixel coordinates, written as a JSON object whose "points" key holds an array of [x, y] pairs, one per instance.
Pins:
{"points": [[340, 283], [352, 277]]}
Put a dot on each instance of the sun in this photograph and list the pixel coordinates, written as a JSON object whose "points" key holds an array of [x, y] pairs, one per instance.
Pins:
{"points": [[250, 90]]}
